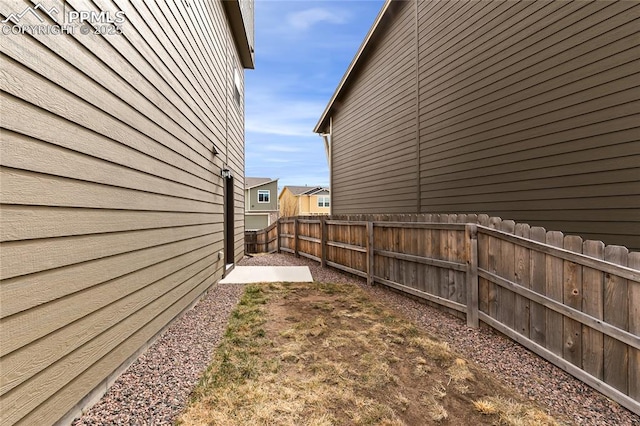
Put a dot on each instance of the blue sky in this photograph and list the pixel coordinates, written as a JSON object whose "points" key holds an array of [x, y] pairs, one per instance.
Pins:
{"points": [[302, 49]]}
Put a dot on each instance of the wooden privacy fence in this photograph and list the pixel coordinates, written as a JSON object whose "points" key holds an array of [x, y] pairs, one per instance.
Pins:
{"points": [[262, 240], [575, 303]]}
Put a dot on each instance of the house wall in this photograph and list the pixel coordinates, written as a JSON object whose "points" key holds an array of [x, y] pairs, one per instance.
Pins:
{"points": [[313, 204], [256, 221], [288, 203], [254, 205], [303, 204], [112, 202], [374, 163], [524, 110]]}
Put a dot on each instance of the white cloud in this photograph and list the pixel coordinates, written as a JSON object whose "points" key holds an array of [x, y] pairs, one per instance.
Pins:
{"points": [[278, 114], [281, 148], [302, 50], [277, 128], [276, 160], [307, 18]]}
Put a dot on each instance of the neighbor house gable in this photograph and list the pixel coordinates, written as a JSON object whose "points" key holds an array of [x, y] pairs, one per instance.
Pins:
{"points": [[303, 200], [261, 194], [261, 202]]}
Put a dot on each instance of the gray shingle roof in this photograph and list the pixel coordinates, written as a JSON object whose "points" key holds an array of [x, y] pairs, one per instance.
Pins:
{"points": [[250, 182], [300, 190]]}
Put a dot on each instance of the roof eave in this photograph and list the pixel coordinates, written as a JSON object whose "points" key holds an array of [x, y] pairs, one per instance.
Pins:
{"points": [[245, 50], [324, 118], [260, 184]]}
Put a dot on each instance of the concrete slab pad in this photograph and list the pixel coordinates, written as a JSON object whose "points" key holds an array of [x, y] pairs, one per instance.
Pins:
{"points": [[268, 274]]}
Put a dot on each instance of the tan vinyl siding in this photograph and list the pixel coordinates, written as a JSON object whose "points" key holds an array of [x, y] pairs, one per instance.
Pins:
{"points": [[313, 203], [303, 204], [377, 127], [112, 202], [272, 205], [256, 221], [527, 110], [235, 161], [234, 154]]}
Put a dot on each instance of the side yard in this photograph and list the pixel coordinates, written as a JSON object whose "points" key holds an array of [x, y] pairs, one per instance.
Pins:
{"points": [[533, 377], [323, 354], [155, 388]]}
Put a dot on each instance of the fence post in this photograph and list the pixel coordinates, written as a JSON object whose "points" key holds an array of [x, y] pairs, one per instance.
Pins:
{"points": [[471, 237], [370, 253], [295, 237], [278, 232], [323, 241]]}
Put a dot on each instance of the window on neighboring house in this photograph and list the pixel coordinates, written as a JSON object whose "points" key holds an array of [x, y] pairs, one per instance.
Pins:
{"points": [[323, 201], [264, 195]]}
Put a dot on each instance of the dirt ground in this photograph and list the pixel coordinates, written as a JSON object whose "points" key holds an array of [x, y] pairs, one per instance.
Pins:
{"points": [[392, 363], [326, 354]]}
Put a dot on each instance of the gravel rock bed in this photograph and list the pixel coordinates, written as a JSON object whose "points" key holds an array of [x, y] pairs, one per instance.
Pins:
{"points": [[155, 388]]}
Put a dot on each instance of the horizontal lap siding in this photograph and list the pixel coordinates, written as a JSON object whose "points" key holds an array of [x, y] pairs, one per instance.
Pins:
{"points": [[234, 149], [374, 130], [529, 111], [112, 202]]}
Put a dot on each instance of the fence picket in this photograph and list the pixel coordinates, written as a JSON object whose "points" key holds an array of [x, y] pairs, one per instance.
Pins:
{"points": [[401, 247], [593, 304], [554, 291], [296, 240], [538, 284], [522, 276], [483, 263], [349, 255], [572, 296], [433, 245], [494, 256], [420, 249], [278, 233], [394, 244], [460, 294], [616, 312], [471, 237], [506, 267], [370, 253], [451, 255], [443, 274], [634, 327], [431, 273]]}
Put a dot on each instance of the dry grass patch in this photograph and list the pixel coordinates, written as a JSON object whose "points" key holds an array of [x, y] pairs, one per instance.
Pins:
{"points": [[325, 354], [513, 413]]}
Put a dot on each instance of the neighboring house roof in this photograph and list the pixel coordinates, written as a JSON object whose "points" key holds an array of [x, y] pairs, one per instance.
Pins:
{"points": [[252, 182], [304, 190], [364, 47], [316, 191]]}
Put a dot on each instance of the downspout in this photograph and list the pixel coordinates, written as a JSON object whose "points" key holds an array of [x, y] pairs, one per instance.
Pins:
{"points": [[327, 149]]}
